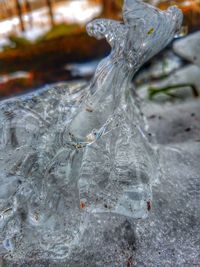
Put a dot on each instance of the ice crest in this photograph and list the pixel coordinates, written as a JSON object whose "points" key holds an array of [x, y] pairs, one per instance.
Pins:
{"points": [[76, 156], [145, 31]]}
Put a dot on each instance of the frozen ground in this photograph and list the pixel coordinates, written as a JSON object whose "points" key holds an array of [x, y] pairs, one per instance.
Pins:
{"points": [[171, 235]]}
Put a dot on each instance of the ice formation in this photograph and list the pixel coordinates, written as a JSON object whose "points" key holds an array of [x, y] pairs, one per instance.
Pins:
{"points": [[76, 159]]}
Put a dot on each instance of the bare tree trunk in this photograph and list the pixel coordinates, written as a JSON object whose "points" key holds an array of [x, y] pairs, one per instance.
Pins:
{"points": [[28, 9], [107, 7], [49, 4], [19, 11]]}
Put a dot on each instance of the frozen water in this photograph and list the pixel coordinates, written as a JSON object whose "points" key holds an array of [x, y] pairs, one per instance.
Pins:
{"points": [[76, 164], [48, 195]]}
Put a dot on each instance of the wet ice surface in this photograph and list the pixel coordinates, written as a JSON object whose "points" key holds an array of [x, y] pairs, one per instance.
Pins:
{"points": [[37, 233], [59, 197]]}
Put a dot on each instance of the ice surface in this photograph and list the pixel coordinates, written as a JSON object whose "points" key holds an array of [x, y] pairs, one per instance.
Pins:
{"points": [[76, 163], [48, 195]]}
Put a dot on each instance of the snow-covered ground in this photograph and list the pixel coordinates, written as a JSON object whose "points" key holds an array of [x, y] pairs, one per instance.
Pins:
{"points": [[76, 11]]}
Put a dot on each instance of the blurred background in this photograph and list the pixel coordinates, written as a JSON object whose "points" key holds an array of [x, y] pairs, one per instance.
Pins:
{"points": [[45, 41]]}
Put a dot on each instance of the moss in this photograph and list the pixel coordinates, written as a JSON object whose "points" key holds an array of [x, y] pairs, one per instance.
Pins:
{"points": [[60, 31], [18, 42]]}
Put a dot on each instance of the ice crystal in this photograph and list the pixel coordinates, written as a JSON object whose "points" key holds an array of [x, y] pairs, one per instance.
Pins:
{"points": [[76, 159]]}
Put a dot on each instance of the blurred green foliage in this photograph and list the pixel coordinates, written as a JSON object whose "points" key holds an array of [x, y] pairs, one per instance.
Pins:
{"points": [[61, 30], [17, 42]]}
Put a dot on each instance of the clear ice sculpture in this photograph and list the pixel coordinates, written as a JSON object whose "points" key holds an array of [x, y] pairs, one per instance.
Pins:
{"points": [[72, 155]]}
